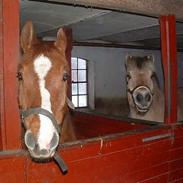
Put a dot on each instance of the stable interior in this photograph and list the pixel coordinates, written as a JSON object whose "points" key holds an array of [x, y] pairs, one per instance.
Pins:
{"points": [[101, 40]]}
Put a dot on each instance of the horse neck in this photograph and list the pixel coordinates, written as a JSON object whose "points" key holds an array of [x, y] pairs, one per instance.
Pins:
{"points": [[68, 128]]}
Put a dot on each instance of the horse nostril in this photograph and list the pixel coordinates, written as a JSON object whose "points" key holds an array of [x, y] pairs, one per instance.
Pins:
{"points": [[54, 142], [139, 98], [30, 141], [148, 97]]}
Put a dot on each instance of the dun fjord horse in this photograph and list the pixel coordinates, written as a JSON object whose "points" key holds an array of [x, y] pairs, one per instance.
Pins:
{"points": [[42, 76], [146, 100]]}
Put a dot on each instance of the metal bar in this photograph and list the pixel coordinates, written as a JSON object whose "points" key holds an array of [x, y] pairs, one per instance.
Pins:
{"points": [[157, 137]]}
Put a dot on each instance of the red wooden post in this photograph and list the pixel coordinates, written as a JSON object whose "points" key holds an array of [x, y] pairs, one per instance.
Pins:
{"points": [[9, 30], [1, 74], [169, 59]]}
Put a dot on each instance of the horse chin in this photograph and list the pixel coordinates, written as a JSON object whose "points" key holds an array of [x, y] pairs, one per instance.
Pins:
{"points": [[41, 158]]}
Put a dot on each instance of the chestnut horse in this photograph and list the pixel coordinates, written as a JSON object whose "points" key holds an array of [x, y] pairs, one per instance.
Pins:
{"points": [[145, 98], [42, 75]]}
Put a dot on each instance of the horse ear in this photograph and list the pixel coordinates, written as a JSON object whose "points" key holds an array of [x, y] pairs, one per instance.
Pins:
{"points": [[150, 58], [61, 41], [28, 37], [127, 60]]}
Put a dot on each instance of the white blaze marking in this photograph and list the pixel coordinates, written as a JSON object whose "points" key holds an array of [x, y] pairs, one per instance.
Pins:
{"points": [[42, 65]]}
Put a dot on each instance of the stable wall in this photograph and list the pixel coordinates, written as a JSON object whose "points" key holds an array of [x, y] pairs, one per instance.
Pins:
{"points": [[107, 85], [109, 68]]}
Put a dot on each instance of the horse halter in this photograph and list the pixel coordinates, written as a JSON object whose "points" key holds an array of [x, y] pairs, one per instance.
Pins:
{"points": [[38, 110], [139, 87]]}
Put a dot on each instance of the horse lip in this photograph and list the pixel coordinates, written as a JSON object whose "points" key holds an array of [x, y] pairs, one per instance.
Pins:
{"points": [[39, 157], [140, 110]]}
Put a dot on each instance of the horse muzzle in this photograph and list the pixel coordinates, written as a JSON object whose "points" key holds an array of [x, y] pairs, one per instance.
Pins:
{"points": [[142, 98], [34, 149]]}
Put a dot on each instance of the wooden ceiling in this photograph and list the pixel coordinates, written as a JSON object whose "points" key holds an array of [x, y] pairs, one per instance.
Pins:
{"points": [[103, 26]]}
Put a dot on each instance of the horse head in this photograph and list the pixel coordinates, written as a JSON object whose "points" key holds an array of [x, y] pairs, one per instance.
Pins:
{"points": [[42, 76], [141, 82]]}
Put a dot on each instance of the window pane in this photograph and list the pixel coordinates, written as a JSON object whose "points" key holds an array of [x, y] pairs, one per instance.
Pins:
{"points": [[83, 101], [82, 88], [75, 101], [74, 63], [74, 75], [74, 89], [81, 64], [81, 75]]}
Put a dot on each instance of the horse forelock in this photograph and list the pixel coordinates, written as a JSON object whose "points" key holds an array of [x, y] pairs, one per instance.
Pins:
{"points": [[140, 63]]}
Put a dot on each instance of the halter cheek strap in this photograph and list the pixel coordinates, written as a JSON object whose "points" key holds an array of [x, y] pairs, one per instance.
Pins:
{"points": [[138, 87], [38, 110]]}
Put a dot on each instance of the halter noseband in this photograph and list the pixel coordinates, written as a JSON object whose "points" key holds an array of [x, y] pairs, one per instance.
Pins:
{"points": [[38, 110], [138, 87]]}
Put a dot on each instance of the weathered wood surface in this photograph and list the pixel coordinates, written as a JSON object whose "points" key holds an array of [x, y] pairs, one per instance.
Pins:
{"points": [[146, 7]]}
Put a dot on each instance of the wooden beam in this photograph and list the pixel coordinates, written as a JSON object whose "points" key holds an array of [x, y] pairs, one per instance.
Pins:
{"points": [[113, 45], [169, 60], [145, 7], [10, 121]]}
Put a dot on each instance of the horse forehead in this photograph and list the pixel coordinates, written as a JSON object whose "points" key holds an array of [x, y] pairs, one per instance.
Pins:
{"points": [[42, 65], [141, 72], [141, 76]]}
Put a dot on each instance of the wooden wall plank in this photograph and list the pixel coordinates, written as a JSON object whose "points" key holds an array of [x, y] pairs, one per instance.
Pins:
{"points": [[12, 170], [118, 160]]}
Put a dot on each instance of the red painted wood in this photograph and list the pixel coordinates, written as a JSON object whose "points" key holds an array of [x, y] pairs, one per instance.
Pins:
{"points": [[10, 125], [116, 160], [159, 179], [174, 66], [1, 76], [12, 169], [165, 58], [124, 158], [100, 125], [169, 60], [176, 158]]}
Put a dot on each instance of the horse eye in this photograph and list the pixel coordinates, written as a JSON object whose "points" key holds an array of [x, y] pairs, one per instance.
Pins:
{"points": [[19, 76], [65, 77], [128, 77], [153, 75]]}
